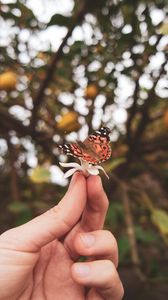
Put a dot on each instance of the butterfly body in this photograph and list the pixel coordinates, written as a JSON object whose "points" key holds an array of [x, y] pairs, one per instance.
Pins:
{"points": [[94, 149]]}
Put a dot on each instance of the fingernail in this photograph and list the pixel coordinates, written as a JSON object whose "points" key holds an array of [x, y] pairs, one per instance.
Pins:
{"points": [[88, 239], [82, 270]]}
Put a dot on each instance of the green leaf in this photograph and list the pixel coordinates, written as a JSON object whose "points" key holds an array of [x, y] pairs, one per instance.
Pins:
{"points": [[24, 217], [128, 11], [164, 29], [77, 47], [123, 247], [17, 207], [145, 236], [60, 20], [114, 215], [40, 175], [115, 163], [160, 219]]}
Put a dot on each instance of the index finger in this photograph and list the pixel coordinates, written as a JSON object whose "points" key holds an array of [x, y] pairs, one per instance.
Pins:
{"points": [[93, 215], [96, 207]]}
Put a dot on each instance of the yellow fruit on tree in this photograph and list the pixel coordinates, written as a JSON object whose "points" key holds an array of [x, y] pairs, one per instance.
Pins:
{"points": [[68, 122], [91, 91], [8, 81]]}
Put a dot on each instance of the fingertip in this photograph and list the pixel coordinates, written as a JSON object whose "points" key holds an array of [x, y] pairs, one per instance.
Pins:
{"points": [[80, 271], [77, 176], [84, 243], [96, 193], [94, 185], [94, 179], [100, 275], [73, 272], [76, 190]]}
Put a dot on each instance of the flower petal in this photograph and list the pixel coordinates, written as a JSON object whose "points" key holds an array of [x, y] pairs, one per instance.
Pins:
{"points": [[93, 170], [101, 168], [70, 165], [86, 168], [70, 172]]}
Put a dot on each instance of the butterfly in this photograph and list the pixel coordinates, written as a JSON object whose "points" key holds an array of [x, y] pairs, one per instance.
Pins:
{"points": [[94, 149]]}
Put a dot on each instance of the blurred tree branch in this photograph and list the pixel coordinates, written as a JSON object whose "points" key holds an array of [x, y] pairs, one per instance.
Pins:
{"points": [[132, 111], [42, 138], [14, 188], [144, 111], [130, 225], [39, 99], [146, 106], [134, 108], [153, 144]]}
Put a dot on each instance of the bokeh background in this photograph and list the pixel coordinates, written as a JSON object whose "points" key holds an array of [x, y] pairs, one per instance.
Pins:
{"points": [[66, 68]]}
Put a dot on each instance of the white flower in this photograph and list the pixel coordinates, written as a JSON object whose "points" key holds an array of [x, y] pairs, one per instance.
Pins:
{"points": [[86, 168]]}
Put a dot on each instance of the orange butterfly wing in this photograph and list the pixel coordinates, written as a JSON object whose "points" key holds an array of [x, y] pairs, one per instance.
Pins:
{"points": [[95, 149]]}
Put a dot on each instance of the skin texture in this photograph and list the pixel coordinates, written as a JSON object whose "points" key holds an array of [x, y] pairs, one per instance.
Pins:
{"points": [[40, 259]]}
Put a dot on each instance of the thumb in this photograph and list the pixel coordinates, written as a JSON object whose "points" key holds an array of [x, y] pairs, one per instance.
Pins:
{"points": [[52, 224]]}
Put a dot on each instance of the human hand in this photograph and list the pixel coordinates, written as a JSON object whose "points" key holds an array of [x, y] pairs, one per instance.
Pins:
{"points": [[39, 260]]}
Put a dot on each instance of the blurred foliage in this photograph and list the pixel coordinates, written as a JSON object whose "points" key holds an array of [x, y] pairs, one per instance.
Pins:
{"points": [[110, 68], [40, 174]]}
